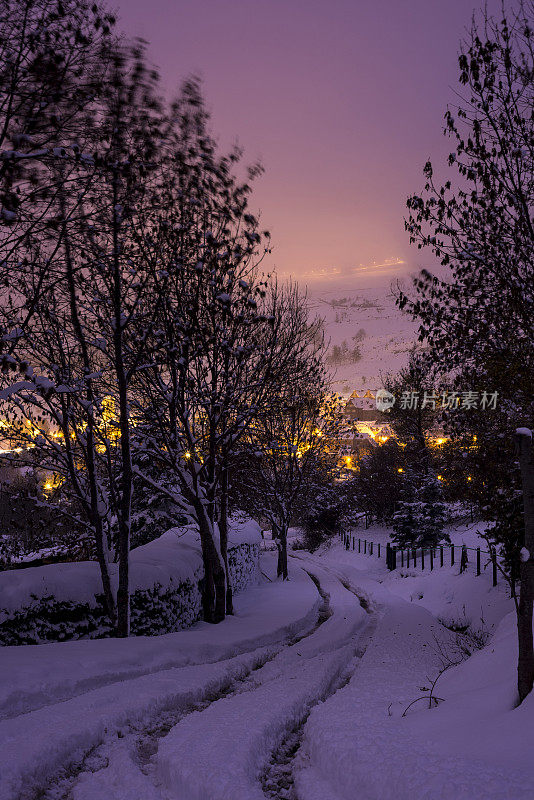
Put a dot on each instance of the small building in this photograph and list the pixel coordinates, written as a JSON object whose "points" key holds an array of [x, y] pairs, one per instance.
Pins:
{"points": [[361, 406]]}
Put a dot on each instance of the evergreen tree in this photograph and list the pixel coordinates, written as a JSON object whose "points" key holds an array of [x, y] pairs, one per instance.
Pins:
{"points": [[421, 513]]}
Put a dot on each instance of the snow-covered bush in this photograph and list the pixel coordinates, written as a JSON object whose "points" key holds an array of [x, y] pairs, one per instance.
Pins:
{"points": [[29, 527], [63, 601], [244, 537]]}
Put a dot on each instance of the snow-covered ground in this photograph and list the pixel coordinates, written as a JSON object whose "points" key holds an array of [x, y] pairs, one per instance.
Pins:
{"points": [[59, 701], [300, 696], [473, 745], [458, 601], [369, 305]]}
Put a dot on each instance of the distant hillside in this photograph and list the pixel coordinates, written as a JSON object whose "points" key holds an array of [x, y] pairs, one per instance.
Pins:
{"points": [[369, 336]]}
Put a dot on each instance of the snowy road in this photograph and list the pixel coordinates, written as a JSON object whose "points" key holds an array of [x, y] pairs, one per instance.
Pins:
{"points": [[300, 696], [222, 729]]}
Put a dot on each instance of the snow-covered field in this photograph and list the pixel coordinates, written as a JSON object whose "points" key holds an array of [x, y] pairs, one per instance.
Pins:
{"points": [[388, 334], [300, 696]]}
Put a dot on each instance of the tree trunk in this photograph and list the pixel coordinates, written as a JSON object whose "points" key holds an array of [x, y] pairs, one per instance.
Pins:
{"points": [[223, 530], [100, 544], [525, 664], [214, 592], [124, 510], [101, 555], [123, 590], [281, 570]]}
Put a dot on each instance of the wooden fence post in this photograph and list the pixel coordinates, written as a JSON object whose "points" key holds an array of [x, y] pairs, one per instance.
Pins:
{"points": [[378, 549], [478, 560], [431, 559], [422, 558], [441, 555], [370, 548], [494, 566], [452, 555], [415, 557], [359, 545], [365, 546]]}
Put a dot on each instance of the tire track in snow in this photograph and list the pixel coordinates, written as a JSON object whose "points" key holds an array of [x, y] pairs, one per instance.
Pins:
{"points": [[142, 741], [234, 739], [139, 740], [277, 780]]}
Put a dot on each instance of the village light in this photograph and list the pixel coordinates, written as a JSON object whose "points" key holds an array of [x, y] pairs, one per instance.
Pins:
{"points": [[400, 469], [440, 477], [187, 454]]}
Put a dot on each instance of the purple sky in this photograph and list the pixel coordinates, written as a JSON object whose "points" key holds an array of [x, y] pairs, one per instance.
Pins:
{"points": [[342, 100]]}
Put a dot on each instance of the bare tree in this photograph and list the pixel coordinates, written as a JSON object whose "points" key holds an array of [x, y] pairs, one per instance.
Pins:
{"points": [[296, 433], [78, 342], [209, 355], [54, 60]]}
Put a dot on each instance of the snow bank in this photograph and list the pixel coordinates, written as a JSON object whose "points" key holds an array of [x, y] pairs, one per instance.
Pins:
{"points": [[264, 614], [243, 530], [63, 601], [174, 556]]}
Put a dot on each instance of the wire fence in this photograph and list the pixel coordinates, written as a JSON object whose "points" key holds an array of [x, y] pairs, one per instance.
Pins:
{"points": [[423, 557]]}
